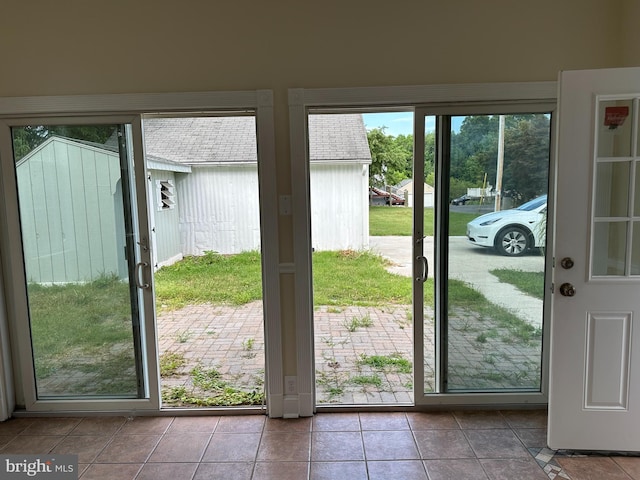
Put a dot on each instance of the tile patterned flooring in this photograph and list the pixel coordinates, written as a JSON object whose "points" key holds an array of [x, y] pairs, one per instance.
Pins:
{"points": [[463, 445]]}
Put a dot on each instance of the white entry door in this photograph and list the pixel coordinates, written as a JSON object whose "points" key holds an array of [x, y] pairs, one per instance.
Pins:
{"points": [[594, 393]]}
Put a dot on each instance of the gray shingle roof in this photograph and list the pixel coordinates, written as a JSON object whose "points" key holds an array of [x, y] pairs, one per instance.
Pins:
{"points": [[202, 140], [207, 140], [338, 137]]}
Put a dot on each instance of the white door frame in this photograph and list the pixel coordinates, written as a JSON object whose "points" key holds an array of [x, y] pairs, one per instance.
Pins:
{"points": [[437, 97], [135, 105]]}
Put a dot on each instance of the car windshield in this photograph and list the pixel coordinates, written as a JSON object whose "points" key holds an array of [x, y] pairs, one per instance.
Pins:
{"points": [[533, 204]]}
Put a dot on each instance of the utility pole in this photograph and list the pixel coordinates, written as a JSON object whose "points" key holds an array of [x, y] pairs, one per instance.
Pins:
{"points": [[500, 165]]}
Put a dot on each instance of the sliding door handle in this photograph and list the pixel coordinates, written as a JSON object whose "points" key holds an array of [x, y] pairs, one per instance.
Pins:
{"points": [[425, 269], [139, 269]]}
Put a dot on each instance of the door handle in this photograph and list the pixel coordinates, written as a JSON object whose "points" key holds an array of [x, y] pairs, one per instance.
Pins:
{"points": [[567, 290], [425, 268], [139, 282]]}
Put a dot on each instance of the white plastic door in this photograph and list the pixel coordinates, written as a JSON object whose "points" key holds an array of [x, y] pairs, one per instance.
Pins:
{"points": [[594, 392]]}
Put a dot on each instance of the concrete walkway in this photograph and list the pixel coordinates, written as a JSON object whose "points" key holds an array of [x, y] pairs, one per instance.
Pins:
{"points": [[470, 264]]}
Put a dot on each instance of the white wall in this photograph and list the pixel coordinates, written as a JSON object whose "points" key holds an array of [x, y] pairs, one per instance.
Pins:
{"points": [[168, 46], [339, 206], [218, 209]]}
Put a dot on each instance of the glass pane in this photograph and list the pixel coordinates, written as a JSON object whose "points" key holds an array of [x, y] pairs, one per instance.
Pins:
{"points": [[497, 232], [609, 248], [361, 225], [614, 128], [75, 225], [203, 172], [635, 250], [612, 189]]}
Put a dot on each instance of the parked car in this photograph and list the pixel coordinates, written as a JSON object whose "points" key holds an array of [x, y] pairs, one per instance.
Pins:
{"points": [[511, 232], [461, 200]]}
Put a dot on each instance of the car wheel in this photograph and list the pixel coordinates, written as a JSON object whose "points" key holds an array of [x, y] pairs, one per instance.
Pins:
{"points": [[512, 241]]}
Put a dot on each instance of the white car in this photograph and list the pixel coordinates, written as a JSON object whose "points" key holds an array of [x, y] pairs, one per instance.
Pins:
{"points": [[511, 232]]}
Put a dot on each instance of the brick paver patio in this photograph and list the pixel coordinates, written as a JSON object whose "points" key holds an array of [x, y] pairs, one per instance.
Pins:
{"points": [[366, 364]]}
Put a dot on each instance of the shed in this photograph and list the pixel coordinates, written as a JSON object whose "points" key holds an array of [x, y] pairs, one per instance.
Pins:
{"points": [[69, 212], [75, 230], [217, 203]]}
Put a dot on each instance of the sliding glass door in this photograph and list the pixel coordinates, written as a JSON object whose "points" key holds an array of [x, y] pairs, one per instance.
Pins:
{"points": [[481, 335], [84, 300]]}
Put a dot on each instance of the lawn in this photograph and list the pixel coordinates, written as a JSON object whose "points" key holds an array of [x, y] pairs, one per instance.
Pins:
{"points": [[385, 221], [84, 330], [340, 278], [530, 283]]}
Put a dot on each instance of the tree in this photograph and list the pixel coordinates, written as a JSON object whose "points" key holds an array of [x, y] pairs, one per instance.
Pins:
{"points": [[389, 158], [474, 151], [527, 157], [27, 138]]}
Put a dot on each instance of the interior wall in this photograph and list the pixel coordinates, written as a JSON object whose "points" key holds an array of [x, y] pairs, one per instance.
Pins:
{"points": [[630, 43], [80, 47]]}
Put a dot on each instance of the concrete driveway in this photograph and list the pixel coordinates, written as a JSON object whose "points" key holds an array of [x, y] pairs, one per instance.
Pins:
{"points": [[470, 264]]}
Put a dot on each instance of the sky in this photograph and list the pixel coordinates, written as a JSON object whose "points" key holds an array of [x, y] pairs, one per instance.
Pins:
{"points": [[401, 123]]}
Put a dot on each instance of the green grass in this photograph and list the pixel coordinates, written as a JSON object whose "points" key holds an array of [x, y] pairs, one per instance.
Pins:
{"points": [[211, 278], [359, 278], [394, 362], [530, 283], [84, 328], [384, 221], [461, 296], [341, 278], [367, 380]]}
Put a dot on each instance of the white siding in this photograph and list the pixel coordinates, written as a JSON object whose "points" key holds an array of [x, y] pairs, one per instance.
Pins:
{"points": [[68, 213], [339, 206], [166, 232], [219, 209]]}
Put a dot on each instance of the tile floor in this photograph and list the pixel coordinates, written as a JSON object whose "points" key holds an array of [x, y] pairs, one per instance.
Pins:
{"points": [[414, 446]]}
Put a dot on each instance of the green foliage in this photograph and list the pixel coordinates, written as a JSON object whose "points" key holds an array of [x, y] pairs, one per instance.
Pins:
{"points": [[395, 362], [170, 362], [474, 153], [27, 138], [210, 390], [356, 323], [367, 380], [392, 157]]}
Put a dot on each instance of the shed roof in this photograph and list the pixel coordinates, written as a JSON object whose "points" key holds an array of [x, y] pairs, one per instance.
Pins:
{"points": [[338, 137], [232, 140], [153, 162]]}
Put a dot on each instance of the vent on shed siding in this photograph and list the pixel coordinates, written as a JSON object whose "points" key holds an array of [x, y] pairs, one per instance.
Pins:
{"points": [[166, 195]]}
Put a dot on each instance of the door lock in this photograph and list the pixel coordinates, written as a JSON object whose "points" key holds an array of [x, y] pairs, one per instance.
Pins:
{"points": [[566, 263], [567, 290]]}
